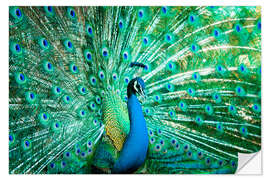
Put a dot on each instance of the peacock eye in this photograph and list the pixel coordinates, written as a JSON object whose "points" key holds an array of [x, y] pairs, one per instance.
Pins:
{"points": [[52, 165], [18, 12]]}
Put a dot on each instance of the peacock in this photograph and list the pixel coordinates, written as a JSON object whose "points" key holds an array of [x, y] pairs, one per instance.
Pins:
{"points": [[126, 89]]}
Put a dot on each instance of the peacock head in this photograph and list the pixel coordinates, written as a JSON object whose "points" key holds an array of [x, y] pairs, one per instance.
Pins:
{"points": [[136, 86]]}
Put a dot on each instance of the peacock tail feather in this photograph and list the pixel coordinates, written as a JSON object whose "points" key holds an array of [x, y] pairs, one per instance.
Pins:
{"points": [[69, 68]]}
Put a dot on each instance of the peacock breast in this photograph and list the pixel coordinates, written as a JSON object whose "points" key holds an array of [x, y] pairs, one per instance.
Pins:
{"points": [[115, 118]]}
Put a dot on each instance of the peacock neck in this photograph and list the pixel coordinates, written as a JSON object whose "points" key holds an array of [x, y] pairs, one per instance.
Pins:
{"points": [[137, 121]]}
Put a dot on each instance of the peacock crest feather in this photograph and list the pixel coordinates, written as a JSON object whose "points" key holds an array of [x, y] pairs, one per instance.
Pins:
{"points": [[69, 70]]}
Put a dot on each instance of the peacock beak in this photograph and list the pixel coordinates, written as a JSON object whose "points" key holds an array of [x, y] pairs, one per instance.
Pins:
{"points": [[142, 94]]}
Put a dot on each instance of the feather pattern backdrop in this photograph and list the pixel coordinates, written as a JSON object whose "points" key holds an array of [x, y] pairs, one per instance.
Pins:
{"points": [[69, 70]]}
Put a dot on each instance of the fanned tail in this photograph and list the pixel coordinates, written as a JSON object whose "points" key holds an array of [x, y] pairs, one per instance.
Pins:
{"points": [[204, 103], [69, 69]]}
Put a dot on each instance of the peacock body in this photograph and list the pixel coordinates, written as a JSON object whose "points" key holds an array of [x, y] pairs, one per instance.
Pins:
{"points": [[71, 108]]}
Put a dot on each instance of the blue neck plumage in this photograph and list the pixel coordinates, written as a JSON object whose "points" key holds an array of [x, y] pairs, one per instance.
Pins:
{"points": [[135, 147], [135, 113], [134, 107]]}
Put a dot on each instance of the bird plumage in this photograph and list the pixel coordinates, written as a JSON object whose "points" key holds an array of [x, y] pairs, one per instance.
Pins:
{"points": [[134, 151], [69, 70]]}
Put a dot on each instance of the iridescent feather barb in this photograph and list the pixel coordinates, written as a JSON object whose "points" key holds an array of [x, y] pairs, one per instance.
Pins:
{"points": [[69, 70]]}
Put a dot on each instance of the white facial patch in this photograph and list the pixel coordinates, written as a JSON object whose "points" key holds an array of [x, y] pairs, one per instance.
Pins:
{"points": [[135, 86]]}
